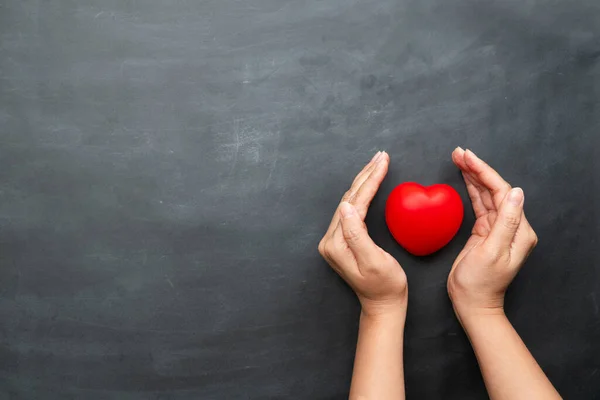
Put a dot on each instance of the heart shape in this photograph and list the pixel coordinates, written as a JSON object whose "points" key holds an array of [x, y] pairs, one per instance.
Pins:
{"points": [[423, 219]]}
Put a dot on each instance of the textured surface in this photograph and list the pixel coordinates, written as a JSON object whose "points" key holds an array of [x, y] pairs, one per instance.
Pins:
{"points": [[167, 169]]}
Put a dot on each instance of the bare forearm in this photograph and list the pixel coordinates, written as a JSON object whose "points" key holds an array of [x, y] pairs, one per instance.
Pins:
{"points": [[508, 368], [378, 365]]}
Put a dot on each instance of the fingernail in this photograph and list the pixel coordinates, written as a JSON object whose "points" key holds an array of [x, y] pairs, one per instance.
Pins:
{"points": [[381, 157], [347, 210], [375, 156], [516, 196], [460, 149]]}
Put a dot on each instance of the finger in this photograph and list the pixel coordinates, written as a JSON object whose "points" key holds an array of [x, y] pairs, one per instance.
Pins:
{"points": [[458, 157], [355, 233], [524, 243], [478, 206], [342, 258], [362, 175], [338, 255], [367, 191], [507, 223], [486, 176]]}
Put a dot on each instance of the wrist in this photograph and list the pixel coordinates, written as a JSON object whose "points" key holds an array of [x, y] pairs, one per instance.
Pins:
{"points": [[469, 311], [472, 317], [466, 306], [384, 311], [390, 323]]}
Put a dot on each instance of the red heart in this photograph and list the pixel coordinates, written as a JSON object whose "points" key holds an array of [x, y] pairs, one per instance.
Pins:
{"points": [[423, 219]]}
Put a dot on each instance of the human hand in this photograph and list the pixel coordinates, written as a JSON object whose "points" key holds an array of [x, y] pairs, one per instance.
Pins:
{"points": [[500, 241], [374, 275]]}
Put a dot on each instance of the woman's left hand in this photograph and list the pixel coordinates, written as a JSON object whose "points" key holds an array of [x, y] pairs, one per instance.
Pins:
{"points": [[375, 276]]}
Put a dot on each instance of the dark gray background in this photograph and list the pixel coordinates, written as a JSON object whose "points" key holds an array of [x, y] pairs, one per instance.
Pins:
{"points": [[167, 169]]}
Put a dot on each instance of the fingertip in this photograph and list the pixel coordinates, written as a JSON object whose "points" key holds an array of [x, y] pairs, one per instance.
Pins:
{"points": [[385, 157], [375, 157], [382, 163], [516, 197], [470, 158], [458, 157], [457, 153]]}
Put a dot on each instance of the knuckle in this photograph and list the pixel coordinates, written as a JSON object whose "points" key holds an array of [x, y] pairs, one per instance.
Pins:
{"points": [[502, 189], [533, 239], [327, 245], [510, 221], [328, 251], [339, 246], [352, 235], [347, 196], [321, 247]]}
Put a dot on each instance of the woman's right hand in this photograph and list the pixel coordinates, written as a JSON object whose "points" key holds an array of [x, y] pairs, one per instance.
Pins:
{"points": [[500, 242]]}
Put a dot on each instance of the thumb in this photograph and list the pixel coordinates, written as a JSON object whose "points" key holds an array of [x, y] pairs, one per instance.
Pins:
{"points": [[508, 220], [355, 234]]}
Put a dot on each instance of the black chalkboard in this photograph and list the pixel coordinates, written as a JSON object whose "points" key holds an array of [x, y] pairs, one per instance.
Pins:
{"points": [[167, 169]]}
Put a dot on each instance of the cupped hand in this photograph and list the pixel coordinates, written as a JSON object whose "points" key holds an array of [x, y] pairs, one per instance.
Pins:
{"points": [[500, 242], [374, 275]]}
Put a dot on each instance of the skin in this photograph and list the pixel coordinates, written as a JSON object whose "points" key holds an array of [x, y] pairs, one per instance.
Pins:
{"points": [[500, 242], [380, 284]]}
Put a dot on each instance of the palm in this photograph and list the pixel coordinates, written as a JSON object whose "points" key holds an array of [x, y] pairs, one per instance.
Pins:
{"points": [[480, 231]]}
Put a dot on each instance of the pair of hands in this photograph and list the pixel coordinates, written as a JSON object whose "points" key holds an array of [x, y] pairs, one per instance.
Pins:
{"points": [[500, 242]]}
